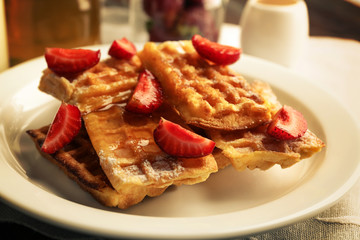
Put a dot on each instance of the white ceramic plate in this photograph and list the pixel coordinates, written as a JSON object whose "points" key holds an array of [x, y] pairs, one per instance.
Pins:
{"points": [[229, 204]]}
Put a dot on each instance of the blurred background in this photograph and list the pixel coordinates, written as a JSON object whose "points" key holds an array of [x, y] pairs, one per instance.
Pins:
{"points": [[33, 25], [337, 18]]}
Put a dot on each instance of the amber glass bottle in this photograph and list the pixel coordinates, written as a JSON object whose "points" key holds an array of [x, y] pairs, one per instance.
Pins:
{"points": [[33, 25]]}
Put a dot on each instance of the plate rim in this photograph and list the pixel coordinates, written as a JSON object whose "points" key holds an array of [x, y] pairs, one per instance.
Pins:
{"points": [[175, 231]]}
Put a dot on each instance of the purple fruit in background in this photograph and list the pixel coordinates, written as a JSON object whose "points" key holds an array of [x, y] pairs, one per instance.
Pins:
{"points": [[196, 20], [166, 10], [179, 19], [152, 7]]}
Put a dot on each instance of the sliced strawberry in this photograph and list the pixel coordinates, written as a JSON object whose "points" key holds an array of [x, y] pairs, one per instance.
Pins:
{"points": [[64, 128], [147, 96], [64, 61], [215, 52], [180, 142], [122, 49], [287, 124]]}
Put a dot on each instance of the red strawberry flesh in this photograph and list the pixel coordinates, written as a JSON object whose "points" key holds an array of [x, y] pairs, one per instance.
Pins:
{"points": [[147, 96], [180, 142], [122, 49], [215, 52], [65, 126], [287, 124], [64, 61]]}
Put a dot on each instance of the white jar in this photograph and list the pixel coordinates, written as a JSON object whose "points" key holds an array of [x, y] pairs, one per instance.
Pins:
{"points": [[276, 30]]}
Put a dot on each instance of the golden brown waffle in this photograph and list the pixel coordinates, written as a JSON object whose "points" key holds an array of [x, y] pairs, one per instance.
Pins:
{"points": [[126, 164], [130, 157], [110, 81], [135, 171], [254, 148], [80, 162], [270, 99], [205, 95]]}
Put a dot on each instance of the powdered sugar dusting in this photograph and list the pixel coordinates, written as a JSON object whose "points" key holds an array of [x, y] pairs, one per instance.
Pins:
{"points": [[160, 170], [143, 142], [133, 171], [108, 161]]}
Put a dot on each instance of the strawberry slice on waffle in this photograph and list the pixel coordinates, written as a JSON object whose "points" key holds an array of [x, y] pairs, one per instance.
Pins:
{"points": [[287, 124], [215, 52], [122, 49], [147, 96], [65, 126], [65, 61], [180, 142]]}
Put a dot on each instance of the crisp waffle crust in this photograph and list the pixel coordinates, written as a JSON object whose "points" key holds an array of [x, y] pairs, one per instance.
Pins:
{"points": [[110, 81], [130, 157], [205, 95], [254, 148], [79, 161], [115, 157]]}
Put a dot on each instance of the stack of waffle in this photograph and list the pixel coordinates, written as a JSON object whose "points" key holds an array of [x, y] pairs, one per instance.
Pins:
{"points": [[115, 158]]}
